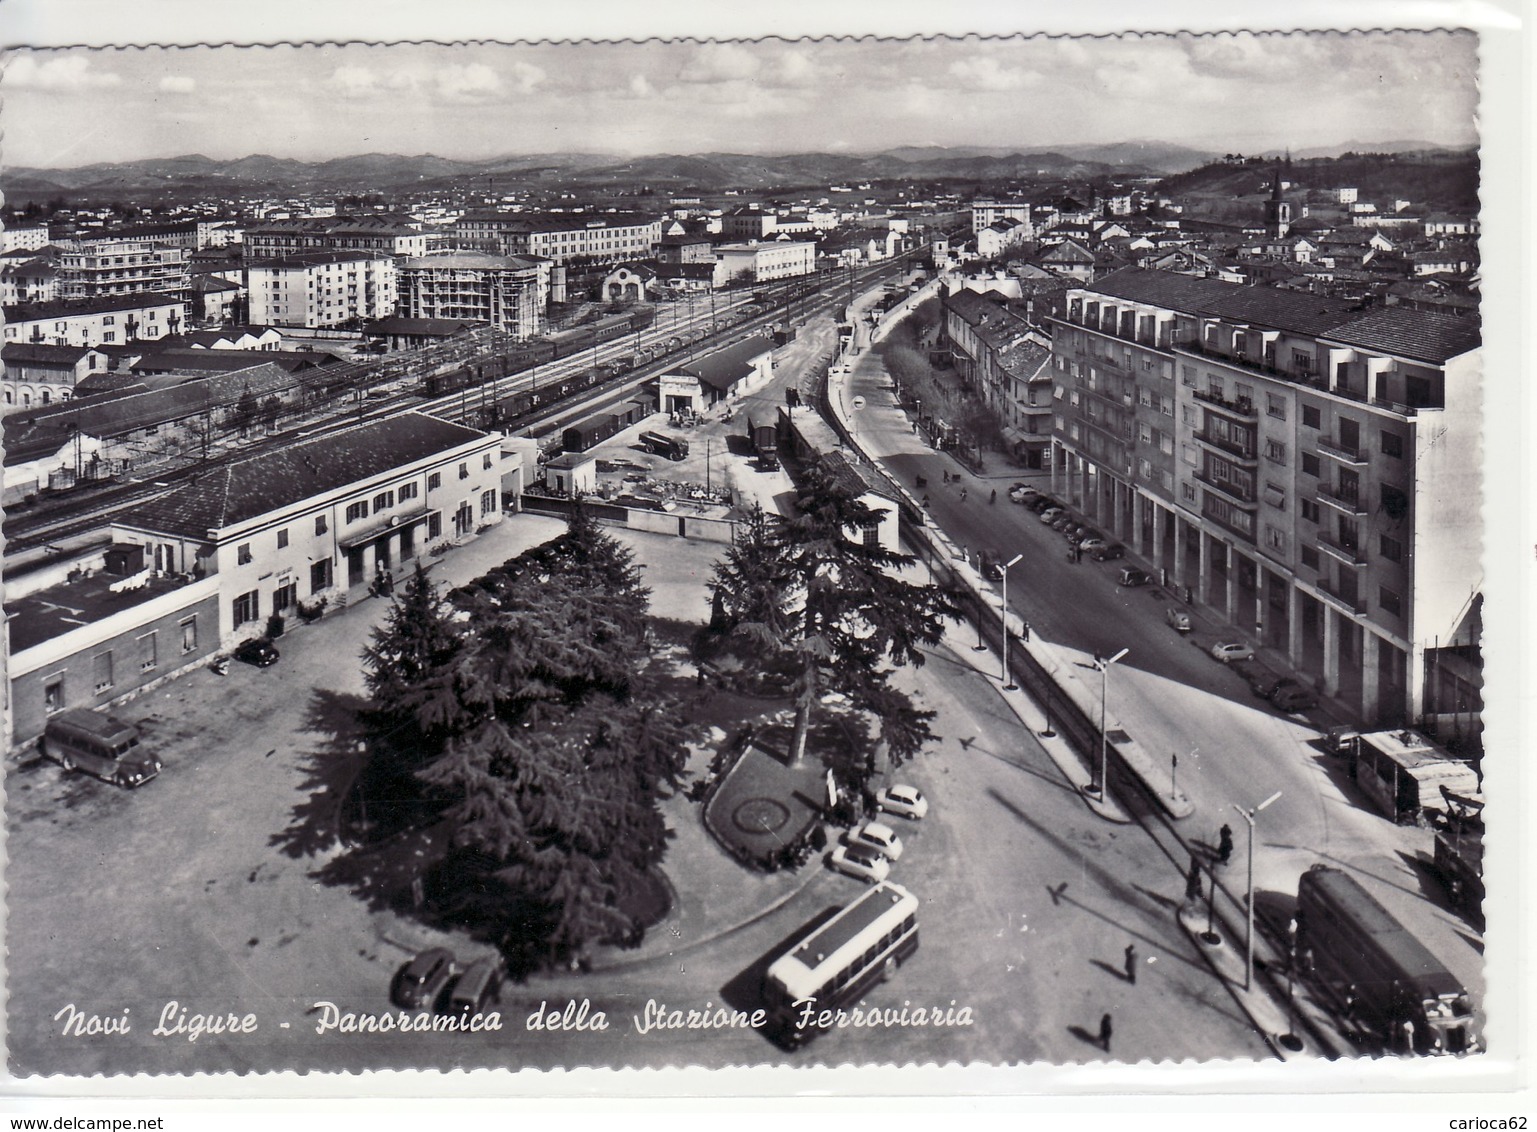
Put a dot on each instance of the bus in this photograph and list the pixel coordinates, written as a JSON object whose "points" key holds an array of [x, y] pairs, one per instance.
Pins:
{"points": [[839, 961], [1386, 977]]}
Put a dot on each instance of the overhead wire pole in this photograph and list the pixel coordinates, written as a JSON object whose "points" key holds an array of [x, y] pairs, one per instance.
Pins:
{"points": [[1104, 737], [1249, 816], [1008, 685]]}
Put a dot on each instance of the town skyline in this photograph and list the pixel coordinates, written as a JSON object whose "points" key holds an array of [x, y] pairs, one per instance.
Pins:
{"points": [[72, 107]]}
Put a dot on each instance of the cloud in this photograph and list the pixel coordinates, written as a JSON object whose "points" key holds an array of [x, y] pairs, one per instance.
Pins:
{"points": [[986, 73], [353, 82], [720, 62], [61, 73], [178, 84], [793, 68], [640, 87]]}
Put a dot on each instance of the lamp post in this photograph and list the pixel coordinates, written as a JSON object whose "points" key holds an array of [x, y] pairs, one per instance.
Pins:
{"points": [[1008, 685], [1249, 816], [1104, 739]]}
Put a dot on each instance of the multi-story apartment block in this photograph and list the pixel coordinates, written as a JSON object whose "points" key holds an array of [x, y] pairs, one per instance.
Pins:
{"points": [[379, 235], [41, 375], [28, 281], [1000, 355], [97, 269], [507, 292], [986, 211], [321, 288], [189, 234], [96, 322], [1308, 468], [24, 238], [608, 237], [773, 259], [748, 224]]}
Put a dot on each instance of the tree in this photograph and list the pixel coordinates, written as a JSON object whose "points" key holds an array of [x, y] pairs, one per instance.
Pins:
{"points": [[833, 606], [408, 670]]}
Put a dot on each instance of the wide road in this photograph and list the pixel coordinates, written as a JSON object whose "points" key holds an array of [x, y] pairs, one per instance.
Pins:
{"points": [[1233, 748]]}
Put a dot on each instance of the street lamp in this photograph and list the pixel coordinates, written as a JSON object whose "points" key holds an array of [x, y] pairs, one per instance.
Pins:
{"points": [[1008, 685], [1104, 738], [1248, 816]]}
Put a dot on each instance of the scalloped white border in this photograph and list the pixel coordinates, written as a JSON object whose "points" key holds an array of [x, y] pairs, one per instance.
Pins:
{"points": [[1488, 1086]]}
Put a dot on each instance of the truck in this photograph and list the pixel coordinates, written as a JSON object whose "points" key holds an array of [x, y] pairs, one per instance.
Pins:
{"points": [[764, 438], [660, 444], [1385, 979]]}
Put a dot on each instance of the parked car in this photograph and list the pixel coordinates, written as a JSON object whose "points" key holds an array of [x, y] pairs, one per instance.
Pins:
{"points": [[1229, 651], [1023, 494], [1051, 515], [1078, 532], [991, 569], [258, 651], [480, 984], [1294, 698], [1265, 684], [905, 800], [1044, 503], [1341, 738], [860, 861], [1091, 544], [419, 983], [1110, 551], [1131, 576], [1062, 522], [1178, 619], [882, 838]]}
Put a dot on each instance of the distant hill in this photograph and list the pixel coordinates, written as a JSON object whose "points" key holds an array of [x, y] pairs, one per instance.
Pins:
{"points": [[1436, 179], [195, 174]]}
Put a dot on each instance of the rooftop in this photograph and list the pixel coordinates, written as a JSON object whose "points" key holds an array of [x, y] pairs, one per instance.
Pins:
{"points": [[51, 613], [64, 308], [243, 489], [725, 367], [470, 261]]}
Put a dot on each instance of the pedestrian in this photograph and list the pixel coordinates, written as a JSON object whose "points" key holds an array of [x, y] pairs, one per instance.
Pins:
{"points": [[1131, 963], [1193, 880], [963, 495], [389, 582], [925, 501], [994, 497], [1104, 1032], [1408, 1032], [1225, 845]]}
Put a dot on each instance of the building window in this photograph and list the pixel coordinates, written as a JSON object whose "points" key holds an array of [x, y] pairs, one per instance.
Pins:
{"points": [[383, 501], [488, 502], [320, 575], [1311, 417], [1309, 509], [1187, 376], [1392, 444], [1275, 538], [356, 512], [285, 597], [101, 667], [1275, 405], [434, 525], [1275, 451], [247, 607], [1309, 464], [321, 526], [53, 694], [1310, 557], [189, 634], [148, 651], [405, 491], [1144, 433], [1390, 601], [1165, 443], [1187, 491], [282, 538], [243, 554], [485, 461]]}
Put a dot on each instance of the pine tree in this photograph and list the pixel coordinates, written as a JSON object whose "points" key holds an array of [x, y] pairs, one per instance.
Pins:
{"points": [[409, 672]]}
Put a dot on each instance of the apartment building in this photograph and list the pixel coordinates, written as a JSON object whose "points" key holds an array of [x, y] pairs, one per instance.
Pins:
{"points": [[377, 235], [96, 322], [507, 292], [774, 259], [24, 238], [317, 289], [102, 268], [749, 224], [41, 375], [1306, 467], [987, 211], [608, 237], [997, 353], [319, 517]]}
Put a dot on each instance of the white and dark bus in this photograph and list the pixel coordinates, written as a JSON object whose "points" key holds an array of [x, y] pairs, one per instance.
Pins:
{"points": [[839, 961]]}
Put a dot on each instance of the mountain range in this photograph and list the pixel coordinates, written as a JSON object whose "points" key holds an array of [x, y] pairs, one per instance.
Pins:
{"points": [[195, 174]]}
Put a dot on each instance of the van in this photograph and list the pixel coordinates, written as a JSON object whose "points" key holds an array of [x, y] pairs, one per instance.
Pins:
{"points": [[99, 745], [660, 444], [479, 985]]}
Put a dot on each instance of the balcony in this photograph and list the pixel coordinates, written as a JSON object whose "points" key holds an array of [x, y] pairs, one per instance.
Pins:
{"points": [[1228, 492], [1353, 456], [1354, 604], [1243, 453], [1340, 552], [1253, 365], [1349, 504], [1240, 407]]}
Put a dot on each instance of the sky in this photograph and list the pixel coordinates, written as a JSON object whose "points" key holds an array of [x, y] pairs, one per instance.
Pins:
{"points": [[1229, 92]]}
